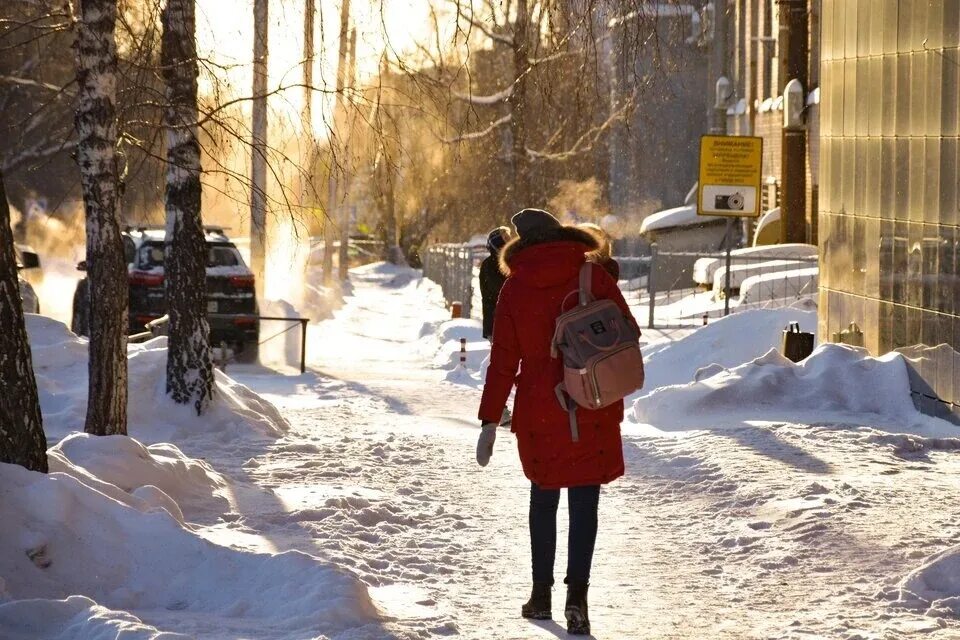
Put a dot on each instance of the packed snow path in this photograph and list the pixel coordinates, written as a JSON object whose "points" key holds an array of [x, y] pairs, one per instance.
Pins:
{"points": [[775, 531]]}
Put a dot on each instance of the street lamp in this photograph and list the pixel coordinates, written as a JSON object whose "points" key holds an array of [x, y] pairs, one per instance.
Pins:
{"points": [[793, 105], [721, 100]]}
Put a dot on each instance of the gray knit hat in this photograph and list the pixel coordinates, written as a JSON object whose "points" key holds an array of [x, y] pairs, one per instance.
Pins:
{"points": [[533, 221]]}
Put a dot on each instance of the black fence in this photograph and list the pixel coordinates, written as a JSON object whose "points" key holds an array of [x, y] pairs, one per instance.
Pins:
{"points": [[160, 326], [680, 287], [452, 267]]}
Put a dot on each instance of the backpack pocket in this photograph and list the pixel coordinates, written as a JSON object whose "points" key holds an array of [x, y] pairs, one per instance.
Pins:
{"points": [[614, 375]]}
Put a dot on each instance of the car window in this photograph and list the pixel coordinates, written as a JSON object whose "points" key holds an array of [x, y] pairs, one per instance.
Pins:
{"points": [[151, 255], [223, 257]]}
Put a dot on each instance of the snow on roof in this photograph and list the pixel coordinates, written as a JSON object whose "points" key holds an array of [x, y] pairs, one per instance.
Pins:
{"points": [[684, 216]]}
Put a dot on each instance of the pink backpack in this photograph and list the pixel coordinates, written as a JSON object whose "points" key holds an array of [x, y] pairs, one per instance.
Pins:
{"points": [[602, 362]]}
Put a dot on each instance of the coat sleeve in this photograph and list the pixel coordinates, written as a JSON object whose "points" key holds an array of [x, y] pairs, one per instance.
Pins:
{"points": [[605, 288], [504, 362]]}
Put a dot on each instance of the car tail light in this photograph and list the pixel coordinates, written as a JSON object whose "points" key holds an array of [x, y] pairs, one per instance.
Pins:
{"points": [[244, 321], [145, 319], [241, 281], [146, 279]]}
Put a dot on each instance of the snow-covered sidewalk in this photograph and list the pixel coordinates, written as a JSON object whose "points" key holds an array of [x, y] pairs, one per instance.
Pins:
{"points": [[767, 500], [755, 530]]}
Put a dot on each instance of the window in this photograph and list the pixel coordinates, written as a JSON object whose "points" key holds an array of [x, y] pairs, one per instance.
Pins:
{"points": [[152, 255]]}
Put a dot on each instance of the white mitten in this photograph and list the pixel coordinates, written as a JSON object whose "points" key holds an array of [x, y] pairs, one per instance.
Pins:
{"points": [[488, 434]]}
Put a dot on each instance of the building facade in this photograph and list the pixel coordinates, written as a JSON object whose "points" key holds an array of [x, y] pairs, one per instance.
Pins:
{"points": [[889, 218], [657, 57], [756, 103]]}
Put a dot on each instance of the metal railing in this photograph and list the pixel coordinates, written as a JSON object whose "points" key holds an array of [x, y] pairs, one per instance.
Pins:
{"points": [[160, 326], [665, 284], [452, 267]]}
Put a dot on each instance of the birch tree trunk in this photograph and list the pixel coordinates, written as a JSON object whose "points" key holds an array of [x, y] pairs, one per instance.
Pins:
{"points": [[517, 103], [21, 427], [258, 159], [96, 125], [189, 362]]}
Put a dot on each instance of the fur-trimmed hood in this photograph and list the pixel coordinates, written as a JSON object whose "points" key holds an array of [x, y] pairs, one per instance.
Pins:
{"points": [[562, 234]]}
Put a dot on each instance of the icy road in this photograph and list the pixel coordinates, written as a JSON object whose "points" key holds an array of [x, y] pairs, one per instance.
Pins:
{"points": [[773, 531]]}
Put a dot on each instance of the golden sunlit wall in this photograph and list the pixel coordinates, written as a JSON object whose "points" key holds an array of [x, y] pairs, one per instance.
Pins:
{"points": [[889, 220]]}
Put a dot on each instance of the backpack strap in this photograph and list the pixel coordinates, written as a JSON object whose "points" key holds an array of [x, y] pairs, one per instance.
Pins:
{"points": [[586, 286], [585, 292], [571, 408]]}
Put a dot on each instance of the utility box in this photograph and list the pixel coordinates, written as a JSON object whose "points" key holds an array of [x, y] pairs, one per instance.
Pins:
{"points": [[796, 344]]}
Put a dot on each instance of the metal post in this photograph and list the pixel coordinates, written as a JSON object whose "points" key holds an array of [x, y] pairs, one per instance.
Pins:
{"points": [[794, 64], [720, 62], [303, 346], [651, 289], [728, 240]]}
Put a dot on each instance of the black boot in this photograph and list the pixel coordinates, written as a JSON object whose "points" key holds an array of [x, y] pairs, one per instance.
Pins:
{"points": [[538, 606], [578, 623]]}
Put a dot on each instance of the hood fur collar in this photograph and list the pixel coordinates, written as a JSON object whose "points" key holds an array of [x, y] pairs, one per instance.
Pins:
{"points": [[561, 234]]}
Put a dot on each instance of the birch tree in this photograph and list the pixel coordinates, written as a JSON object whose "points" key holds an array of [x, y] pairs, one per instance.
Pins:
{"points": [[189, 362], [21, 427], [96, 126]]}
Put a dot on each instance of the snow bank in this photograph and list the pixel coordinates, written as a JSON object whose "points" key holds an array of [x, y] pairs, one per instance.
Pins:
{"points": [[158, 474], [63, 537], [782, 285], [442, 341], [837, 383], [727, 342], [934, 586], [75, 618], [704, 269], [60, 365]]}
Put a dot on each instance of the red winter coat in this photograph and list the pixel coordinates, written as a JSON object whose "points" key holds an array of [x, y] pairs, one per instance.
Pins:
{"points": [[541, 277]]}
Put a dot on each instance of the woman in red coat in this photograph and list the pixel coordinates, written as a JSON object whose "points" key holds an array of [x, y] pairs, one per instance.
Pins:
{"points": [[543, 264]]}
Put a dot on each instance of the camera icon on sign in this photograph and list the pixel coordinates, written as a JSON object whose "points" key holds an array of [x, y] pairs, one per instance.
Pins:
{"points": [[729, 202]]}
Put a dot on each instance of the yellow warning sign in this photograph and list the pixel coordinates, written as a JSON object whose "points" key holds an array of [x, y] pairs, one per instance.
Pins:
{"points": [[730, 171]]}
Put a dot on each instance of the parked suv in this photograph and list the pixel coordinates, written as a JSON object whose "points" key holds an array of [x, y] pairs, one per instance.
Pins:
{"points": [[231, 298]]}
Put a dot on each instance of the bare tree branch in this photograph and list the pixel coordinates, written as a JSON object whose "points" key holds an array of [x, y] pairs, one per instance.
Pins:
{"points": [[486, 101], [474, 135]]}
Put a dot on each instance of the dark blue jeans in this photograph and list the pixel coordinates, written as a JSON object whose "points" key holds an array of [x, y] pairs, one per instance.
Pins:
{"points": [[583, 503]]}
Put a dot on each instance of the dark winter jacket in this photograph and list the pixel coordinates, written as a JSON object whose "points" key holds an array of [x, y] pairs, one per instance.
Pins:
{"points": [[612, 267], [491, 281], [542, 274]]}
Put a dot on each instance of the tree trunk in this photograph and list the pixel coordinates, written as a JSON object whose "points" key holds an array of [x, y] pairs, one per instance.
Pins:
{"points": [[96, 125], [517, 104], [350, 70], [21, 426], [189, 362], [258, 160]]}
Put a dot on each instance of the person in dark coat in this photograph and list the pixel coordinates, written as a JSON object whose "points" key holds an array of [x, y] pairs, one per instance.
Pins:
{"points": [[604, 254], [491, 278], [543, 264]]}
